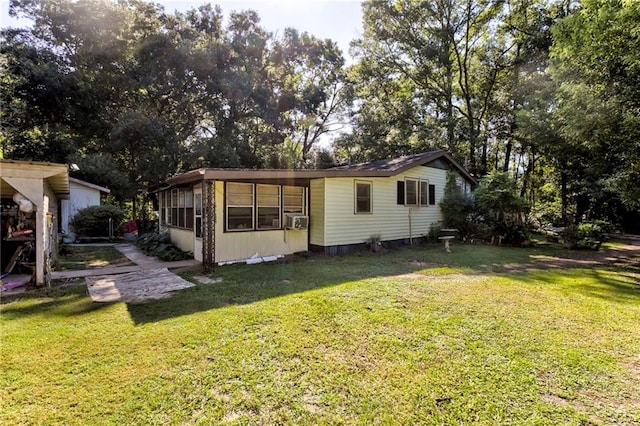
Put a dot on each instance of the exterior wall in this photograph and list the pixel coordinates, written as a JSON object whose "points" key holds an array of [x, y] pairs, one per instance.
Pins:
{"points": [[197, 242], [391, 221], [236, 246], [317, 211], [182, 238], [79, 198]]}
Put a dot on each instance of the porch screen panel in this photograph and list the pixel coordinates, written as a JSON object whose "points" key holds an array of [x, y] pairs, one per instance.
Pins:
{"points": [[239, 206], [198, 215], [181, 204], [268, 206], [174, 207], [188, 209], [293, 199]]}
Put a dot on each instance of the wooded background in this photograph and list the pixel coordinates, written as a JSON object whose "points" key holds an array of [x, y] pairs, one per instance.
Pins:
{"points": [[546, 91]]}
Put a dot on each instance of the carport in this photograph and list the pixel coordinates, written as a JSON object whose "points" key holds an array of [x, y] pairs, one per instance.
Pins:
{"points": [[30, 193]]}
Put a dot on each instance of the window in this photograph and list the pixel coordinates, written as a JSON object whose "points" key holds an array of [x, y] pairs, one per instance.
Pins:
{"points": [[293, 199], [239, 206], [174, 207], [415, 192], [188, 209], [260, 206], [424, 193], [400, 192], [268, 206], [411, 192], [198, 215], [432, 195], [363, 197], [177, 208]]}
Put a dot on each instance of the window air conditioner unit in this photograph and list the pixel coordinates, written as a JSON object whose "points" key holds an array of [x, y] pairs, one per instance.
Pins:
{"points": [[296, 221]]}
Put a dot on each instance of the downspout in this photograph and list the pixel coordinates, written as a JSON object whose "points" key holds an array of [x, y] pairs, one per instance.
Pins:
{"points": [[410, 227]]}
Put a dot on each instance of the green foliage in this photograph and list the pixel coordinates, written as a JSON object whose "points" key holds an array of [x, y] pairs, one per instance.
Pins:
{"points": [[134, 94], [589, 235], [503, 208], [456, 207], [93, 221], [597, 69], [497, 195], [160, 246]]}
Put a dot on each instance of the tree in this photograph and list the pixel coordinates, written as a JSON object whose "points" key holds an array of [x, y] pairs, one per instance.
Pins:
{"points": [[455, 206], [598, 73], [128, 88], [428, 75]]}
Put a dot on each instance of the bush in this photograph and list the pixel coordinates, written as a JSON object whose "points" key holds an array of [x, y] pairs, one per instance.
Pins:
{"points": [[158, 245], [93, 221], [513, 234], [589, 235], [456, 207]]}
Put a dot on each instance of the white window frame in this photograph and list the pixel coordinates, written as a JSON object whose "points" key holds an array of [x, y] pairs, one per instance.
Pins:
{"points": [[415, 182], [231, 206], [355, 196], [423, 184], [277, 206], [291, 207]]}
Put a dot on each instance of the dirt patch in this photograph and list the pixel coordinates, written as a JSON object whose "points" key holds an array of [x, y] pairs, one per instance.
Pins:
{"points": [[627, 255]]}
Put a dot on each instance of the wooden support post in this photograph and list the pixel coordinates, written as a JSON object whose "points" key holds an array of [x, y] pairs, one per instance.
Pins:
{"points": [[208, 225]]}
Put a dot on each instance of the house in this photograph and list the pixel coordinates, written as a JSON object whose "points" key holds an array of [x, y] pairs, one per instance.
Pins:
{"points": [[30, 192], [81, 194], [230, 215]]}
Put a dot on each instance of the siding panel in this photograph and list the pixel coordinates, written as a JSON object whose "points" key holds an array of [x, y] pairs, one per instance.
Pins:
{"points": [[388, 219], [317, 212]]}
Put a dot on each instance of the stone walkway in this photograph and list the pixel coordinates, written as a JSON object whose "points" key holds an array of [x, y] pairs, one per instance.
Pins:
{"points": [[133, 253], [135, 287], [148, 279]]}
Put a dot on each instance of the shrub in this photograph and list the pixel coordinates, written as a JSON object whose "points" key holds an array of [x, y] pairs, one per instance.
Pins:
{"points": [[456, 207], [589, 235], [434, 231], [93, 221], [158, 245]]}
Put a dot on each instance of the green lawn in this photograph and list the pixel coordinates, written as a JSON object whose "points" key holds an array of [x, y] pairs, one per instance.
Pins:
{"points": [[87, 257], [411, 336]]}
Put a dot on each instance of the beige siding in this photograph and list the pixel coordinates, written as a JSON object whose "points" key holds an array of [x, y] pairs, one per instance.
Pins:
{"points": [[235, 246], [182, 238], [388, 220], [317, 212]]}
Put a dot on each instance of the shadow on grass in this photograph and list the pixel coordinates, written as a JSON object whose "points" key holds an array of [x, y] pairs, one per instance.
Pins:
{"points": [[606, 284], [243, 284], [58, 302]]}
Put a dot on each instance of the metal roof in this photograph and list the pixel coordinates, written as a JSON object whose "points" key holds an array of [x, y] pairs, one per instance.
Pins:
{"points": [[380, 168]]}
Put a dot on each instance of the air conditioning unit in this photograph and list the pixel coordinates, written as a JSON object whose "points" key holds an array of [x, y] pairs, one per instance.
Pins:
{"points": [[296, 221]]}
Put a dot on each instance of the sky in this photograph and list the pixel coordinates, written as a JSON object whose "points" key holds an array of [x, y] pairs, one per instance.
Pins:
{"points": [[339, 20]]}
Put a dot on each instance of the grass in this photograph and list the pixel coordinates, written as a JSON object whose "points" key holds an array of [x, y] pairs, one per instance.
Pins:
{"points": [[412, 336], [86, 257]]}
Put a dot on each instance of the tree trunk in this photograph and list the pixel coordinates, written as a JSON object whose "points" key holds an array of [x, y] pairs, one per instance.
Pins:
{"points": [[563, 194]]}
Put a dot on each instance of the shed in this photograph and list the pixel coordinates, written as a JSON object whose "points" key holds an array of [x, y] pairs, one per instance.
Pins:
{"points": [[30, 192], [82, 194]]}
